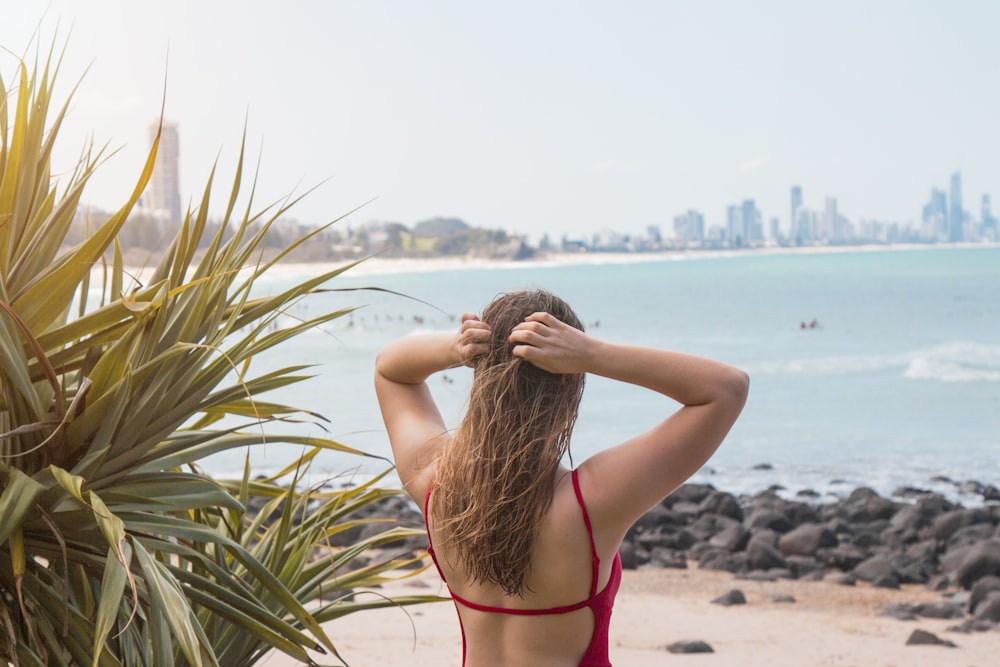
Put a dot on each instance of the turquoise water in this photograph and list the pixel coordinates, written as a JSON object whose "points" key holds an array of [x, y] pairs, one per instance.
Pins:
{"points": [[898, 383]]}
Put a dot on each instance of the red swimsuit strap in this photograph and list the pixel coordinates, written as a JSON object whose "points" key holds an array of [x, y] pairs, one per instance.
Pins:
{"points": [[524, 612]]}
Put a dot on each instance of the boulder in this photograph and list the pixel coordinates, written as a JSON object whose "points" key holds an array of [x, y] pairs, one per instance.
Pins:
{"points": [[874, 567], [721, 559], [733, 538], [989, 609], [805, 539], [971, 534], [981, 589], [722, 504], [731, 598], [769, 519], [940, 609], [924, 638], [864, 505], [981, 560], [663, 557], [843, 556], [946, 524], [762, 556], [689, 646]]}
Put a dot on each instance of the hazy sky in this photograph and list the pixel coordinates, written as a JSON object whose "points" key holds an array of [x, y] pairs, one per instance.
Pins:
{"points": [[566, 117]]}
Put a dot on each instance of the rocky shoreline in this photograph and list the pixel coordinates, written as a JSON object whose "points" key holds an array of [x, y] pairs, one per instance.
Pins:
{"points": [[916, 537]]}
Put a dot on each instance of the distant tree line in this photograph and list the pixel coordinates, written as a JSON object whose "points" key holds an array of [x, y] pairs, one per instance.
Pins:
{"points": [[144, 236]]}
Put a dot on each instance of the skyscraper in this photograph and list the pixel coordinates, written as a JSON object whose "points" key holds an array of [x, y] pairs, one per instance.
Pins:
{"points": [[956, 216], [164, 194], [830, 219], [796, 205]]}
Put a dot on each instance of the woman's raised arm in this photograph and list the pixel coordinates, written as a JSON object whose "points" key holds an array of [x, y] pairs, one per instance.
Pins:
{"points": [[623, 482], [412, 420]]}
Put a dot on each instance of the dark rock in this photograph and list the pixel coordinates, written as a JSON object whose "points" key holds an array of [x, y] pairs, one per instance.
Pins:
{"points": [[766, 535], [662, 557], [804, 566], [770, 519], [763, 466], [972, 625], [658, 516], [921, 514], [733, 538], [924, 638], [783, 598], [981, 560], [806, 493], [910, 492], [690, 646], [902, 611], [723, 504], [708, 525], [722, 559], [886, 581], [682, 539], [938, 584], [991, 492], [762, 556], [841, 578], [940, 609], [877, 566], [843, 556], [989, 609], [806, 539], [969, 535], [946, 524], [981, 589], [733, 597], [943, 479], [758, 575], [864, 505]]}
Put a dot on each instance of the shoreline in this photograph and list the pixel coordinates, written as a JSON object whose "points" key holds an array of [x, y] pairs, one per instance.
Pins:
{"points": [[827, 624], [376, 265]]}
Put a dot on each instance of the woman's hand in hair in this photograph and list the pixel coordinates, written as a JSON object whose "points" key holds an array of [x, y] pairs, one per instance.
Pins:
{"points": [[473, 339], [552, 345]]}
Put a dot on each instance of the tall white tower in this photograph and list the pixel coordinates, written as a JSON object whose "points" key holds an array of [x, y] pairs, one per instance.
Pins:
{"points": [[164, 192]]}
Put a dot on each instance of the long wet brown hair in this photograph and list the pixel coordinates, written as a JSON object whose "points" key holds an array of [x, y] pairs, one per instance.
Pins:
{"points": [[495, 479]]}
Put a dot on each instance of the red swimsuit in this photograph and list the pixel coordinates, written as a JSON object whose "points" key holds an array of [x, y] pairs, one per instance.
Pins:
{"points": [[599, 603]]}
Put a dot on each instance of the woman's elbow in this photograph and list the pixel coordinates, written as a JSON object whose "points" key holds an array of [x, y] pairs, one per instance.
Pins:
{"points": [[736, 387]]}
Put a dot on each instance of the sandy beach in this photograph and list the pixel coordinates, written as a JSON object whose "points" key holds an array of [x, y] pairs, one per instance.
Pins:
{"points": [[827, 625]]}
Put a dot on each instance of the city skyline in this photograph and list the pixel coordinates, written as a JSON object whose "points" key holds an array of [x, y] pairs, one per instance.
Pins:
{"points": [[566, 118]]}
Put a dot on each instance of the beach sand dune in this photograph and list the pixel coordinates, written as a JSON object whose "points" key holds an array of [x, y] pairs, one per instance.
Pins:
{"points": [[827, 625]]}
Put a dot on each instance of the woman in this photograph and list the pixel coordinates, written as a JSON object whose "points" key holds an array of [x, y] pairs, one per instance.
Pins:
{"points": [[528, 548]]}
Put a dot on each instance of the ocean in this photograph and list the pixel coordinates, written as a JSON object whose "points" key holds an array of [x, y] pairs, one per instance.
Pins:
{"points": [[897, 385]]}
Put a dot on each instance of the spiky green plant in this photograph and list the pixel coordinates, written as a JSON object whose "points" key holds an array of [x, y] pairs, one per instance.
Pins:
{"points": [[114, 548]]}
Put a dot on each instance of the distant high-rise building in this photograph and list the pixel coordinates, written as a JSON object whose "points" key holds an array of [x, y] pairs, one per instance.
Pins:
{"points": [[753, 228], [989, 221], [956, 215], [164, 193], [734, 225], [829, 230], [935, 216], [796, 205], [689, 227]]}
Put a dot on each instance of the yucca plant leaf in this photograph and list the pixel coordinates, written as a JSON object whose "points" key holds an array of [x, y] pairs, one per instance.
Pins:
{"points": [[112, 590], [174, 607], [16, 500]]}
